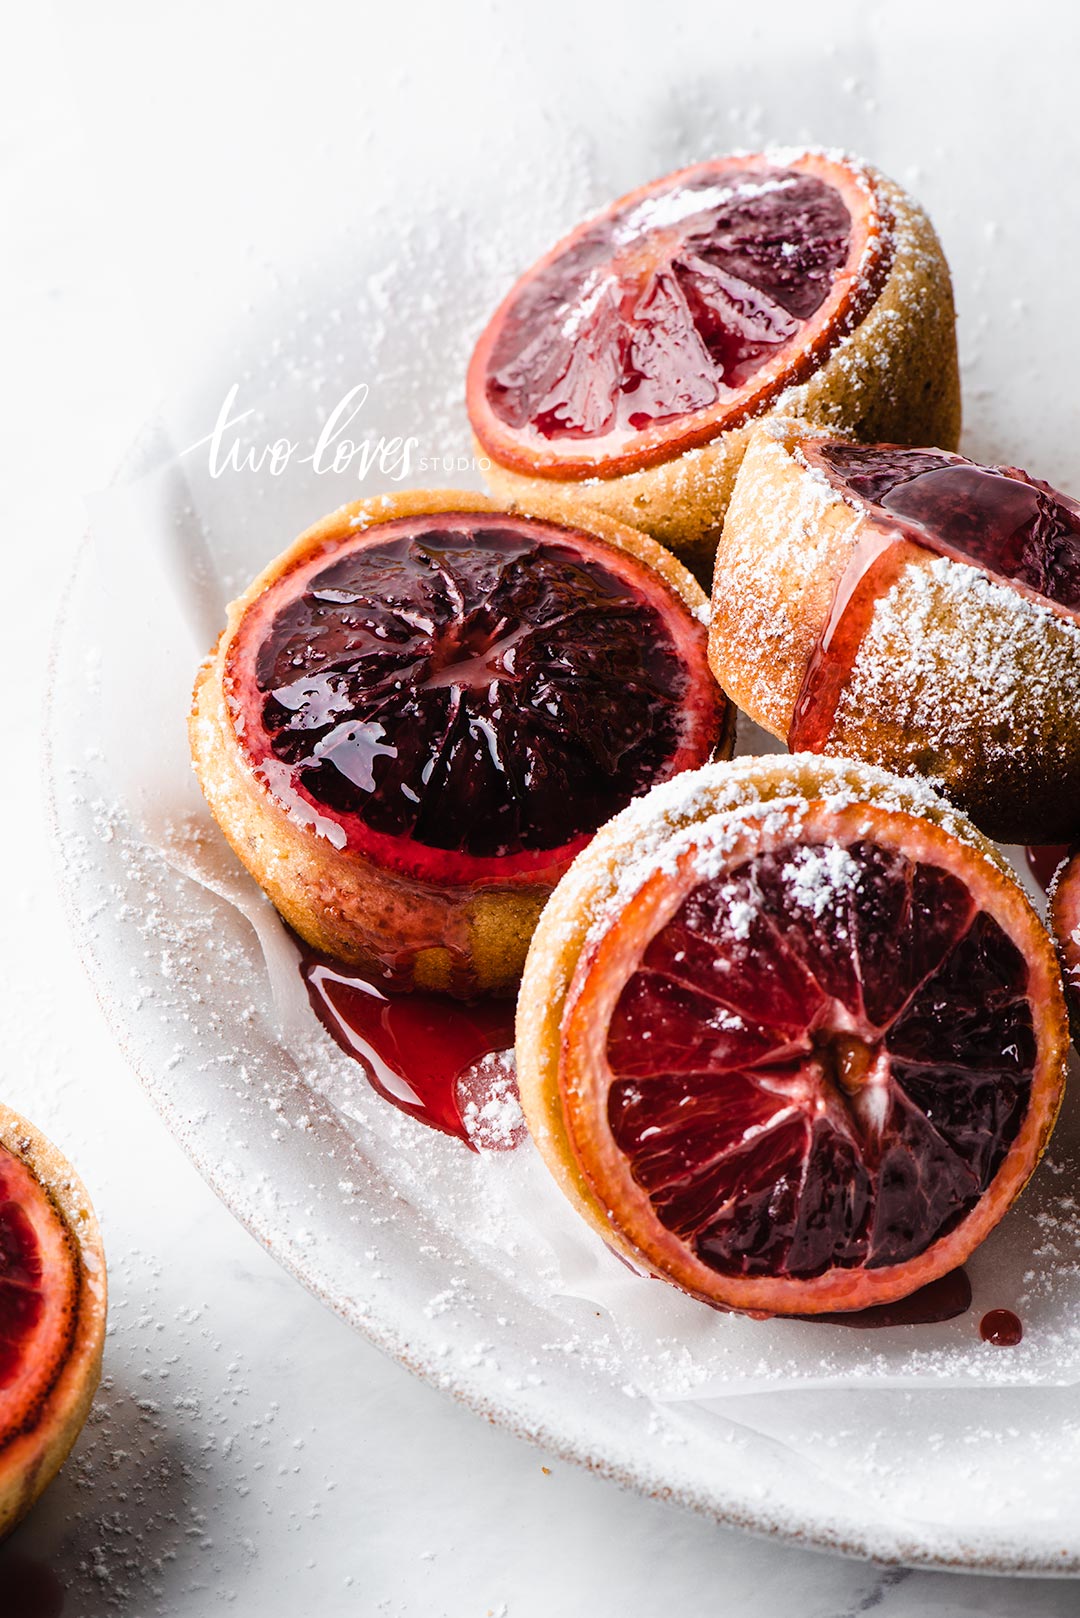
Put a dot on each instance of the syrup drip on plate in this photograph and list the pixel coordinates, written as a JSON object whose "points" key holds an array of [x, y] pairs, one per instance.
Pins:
{"points": [[943, 1299], [449, 1065], [443, 1062], [1001, 1328], [28, 1589]]}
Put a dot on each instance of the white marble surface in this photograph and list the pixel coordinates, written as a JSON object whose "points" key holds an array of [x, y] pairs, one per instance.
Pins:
{"points": [[246, 1450]]}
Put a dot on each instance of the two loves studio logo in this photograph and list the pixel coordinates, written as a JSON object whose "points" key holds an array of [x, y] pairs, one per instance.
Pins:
{"points": [[338, 448]]}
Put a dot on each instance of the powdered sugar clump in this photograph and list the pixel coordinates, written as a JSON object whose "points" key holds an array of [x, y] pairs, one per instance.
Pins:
{"points": [[490, 1109], [740, 914], [819, 875]]}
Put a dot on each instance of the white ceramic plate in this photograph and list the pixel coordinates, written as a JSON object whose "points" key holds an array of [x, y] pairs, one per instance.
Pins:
{"points": [[925, 1449]]}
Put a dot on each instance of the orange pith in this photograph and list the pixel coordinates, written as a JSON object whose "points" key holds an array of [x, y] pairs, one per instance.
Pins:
{"points": [[698, 1166]]}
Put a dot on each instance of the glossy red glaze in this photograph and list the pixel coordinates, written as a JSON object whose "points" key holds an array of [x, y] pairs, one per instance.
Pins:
{"points": [[697, 292], [464, 697], [421, 1052], [678, 312], [1001, 1327], [821, 1061]]}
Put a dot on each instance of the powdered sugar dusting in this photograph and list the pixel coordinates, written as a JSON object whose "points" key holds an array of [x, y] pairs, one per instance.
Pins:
{"points": [[706, 812], [775, 557], [963, 661], [740, 913], [674, 207], [867, 356], [490, 1109]]}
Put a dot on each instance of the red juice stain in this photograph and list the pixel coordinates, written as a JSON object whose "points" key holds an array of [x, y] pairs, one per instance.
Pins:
{"points": [[943, 1299], [419, 1051], [1044, 859], [28, 1589], [1001, 1328]]}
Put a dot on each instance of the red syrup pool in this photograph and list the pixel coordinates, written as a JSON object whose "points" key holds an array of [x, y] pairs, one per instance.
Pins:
{"points": [[1044, 859], [943, 1299], [28, 1589], [443, 1062], [1001, 1328]]}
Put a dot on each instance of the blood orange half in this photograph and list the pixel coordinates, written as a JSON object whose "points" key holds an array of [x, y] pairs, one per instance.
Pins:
{"points": [[423, 711], [812, 1048], [52, 1313], [678, 312]]}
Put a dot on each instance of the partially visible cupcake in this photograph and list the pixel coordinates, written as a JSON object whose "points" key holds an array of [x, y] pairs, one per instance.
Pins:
{"points": [[911, 608]]}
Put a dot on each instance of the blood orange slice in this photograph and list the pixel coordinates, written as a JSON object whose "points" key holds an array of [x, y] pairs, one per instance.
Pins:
{"points": [[813, 1045], [1064, 916], [676, 313], [424, 710], [52, 1313], [623, 373]]}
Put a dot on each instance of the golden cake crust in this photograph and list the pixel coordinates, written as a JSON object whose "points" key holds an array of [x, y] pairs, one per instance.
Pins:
{"points": [[959, 678], [342, 903], [894, 378]]}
